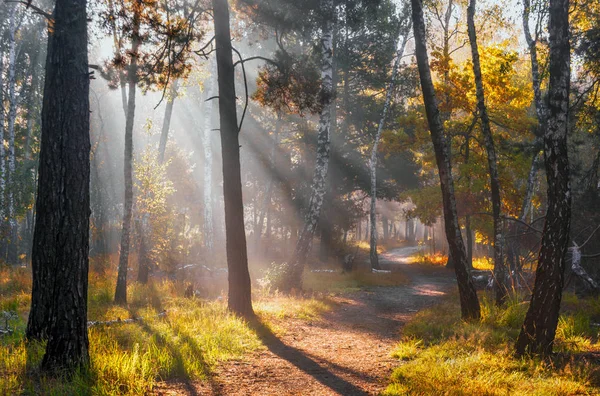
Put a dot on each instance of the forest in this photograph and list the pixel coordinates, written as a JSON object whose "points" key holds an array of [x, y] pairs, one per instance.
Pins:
{"points": [[299, 197]]}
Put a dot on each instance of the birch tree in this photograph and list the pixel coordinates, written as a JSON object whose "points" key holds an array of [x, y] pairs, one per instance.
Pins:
{"points": [[296, 264], [539, 328], [373, 162], [12, 118]]}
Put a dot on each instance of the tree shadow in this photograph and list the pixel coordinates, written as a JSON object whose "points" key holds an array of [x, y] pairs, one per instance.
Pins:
{"points": [[303, 362], [184, 378]]}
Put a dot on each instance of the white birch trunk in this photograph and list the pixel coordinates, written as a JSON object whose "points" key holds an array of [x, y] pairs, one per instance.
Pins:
{"points": [[2, 149], [579, 270], [373, 163], [294, 279], [12, 117], [208, 158]]}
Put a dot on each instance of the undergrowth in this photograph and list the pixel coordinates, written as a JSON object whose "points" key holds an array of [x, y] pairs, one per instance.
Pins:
{"points": [[440, 354], [174, 338]]}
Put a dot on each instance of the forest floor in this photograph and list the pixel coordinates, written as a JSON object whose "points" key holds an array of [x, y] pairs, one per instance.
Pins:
{"points": [[346, 351]]}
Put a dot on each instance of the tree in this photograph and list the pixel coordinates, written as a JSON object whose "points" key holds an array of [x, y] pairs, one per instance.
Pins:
{"points": [[373, 163], [296, 264], [468, 295], [499, 272], [164, 136], [240, 301], [132, 73], [539, 328], [61, 237], [161, 38]]}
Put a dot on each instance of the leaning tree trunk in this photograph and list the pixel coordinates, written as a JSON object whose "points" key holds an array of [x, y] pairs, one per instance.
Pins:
{"points": [[121, 289], [164, 135], [469, 301], [296, 264], [539, 328], [373, 163], [501, 289], [237, 256], [61, 237]]}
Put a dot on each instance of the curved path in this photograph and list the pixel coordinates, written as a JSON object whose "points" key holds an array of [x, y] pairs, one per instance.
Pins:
{"points": [[346, 352]]}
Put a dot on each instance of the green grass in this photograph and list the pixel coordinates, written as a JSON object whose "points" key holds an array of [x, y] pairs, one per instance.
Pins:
{"points": [[440, 354], [185, 343]]}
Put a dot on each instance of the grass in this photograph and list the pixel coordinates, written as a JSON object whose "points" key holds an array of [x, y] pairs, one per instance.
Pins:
{"points": [[184, 343], [440, 354], [479, 263], [337, 282]]}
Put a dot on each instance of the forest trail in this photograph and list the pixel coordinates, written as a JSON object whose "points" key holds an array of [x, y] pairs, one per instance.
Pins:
{"points": [[345, 352]]}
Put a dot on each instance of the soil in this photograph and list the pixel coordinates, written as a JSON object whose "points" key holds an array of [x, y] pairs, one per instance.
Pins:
{"points": [[345, 352]]}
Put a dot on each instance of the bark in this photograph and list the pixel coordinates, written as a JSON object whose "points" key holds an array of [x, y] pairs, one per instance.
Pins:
{"points": [[61, 237], [121, 289], [373, 162], [468, 296], [580, 271], [164, 135], [2, 151], [237, 257], [296, 264], [501, 288], [469, 232], [539, 327]]}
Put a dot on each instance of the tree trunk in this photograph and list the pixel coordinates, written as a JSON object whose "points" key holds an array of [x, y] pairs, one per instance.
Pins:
{"points": [[468, 296], [373, 162], [296, 264], [143, 259], [237, 257], [501, 288], [208, 226], [121, 289], [2, 156], [12, 117], [326, 229], [469, 232], [270, 183], [61, 237], [539, 328], [164, 135]]}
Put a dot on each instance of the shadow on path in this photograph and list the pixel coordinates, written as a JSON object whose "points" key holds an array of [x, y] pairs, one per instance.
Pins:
{"points": [[303, 362]]}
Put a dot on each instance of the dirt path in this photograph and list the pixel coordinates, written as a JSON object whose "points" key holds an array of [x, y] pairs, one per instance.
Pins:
{"points": [[347, 352]]}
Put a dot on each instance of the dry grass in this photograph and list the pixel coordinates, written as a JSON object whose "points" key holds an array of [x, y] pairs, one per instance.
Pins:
{"points": [[440, 354], [185, 343]]}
